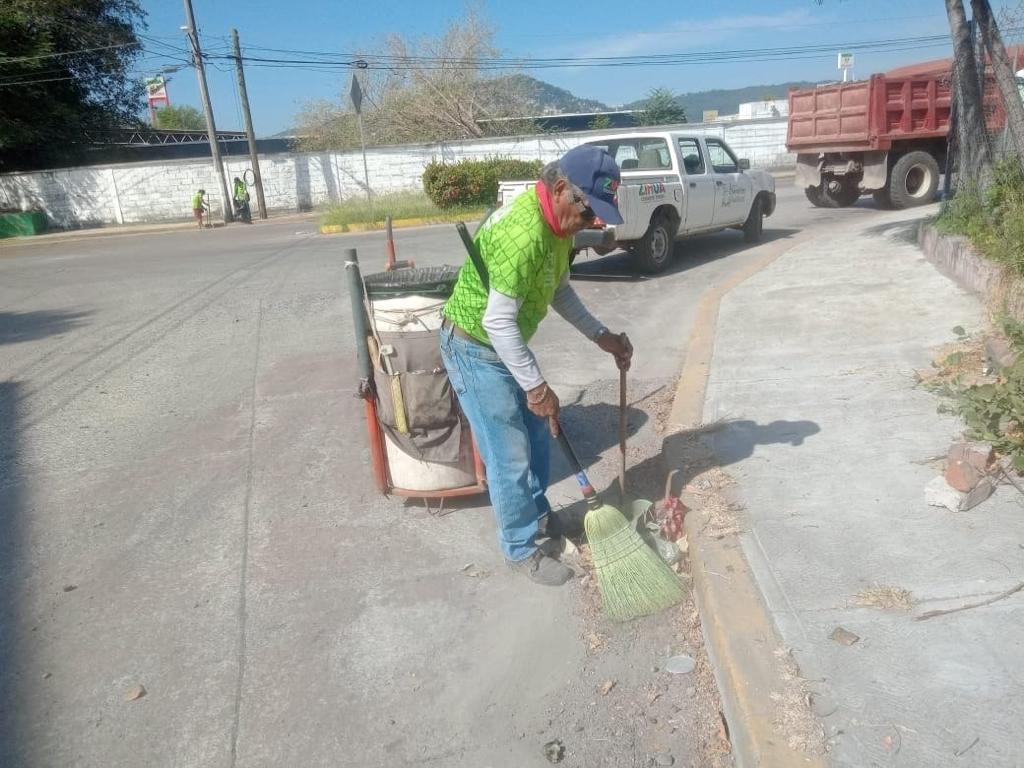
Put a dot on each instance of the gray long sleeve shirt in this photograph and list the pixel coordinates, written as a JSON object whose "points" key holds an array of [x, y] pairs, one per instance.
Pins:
{"points": [[500, 322]]}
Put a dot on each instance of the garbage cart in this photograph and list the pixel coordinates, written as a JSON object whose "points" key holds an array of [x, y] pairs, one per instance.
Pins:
{"points": [[420, 442]]}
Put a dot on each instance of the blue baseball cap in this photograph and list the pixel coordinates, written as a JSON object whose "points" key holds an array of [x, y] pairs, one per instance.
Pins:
{"points": [[594, 171]]}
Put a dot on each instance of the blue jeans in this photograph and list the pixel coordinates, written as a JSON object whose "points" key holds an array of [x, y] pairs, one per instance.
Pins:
{"points": [[514, 443]]}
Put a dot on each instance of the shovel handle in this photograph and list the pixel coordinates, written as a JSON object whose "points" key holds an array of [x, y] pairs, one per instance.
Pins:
{"points": [[574, 463]]}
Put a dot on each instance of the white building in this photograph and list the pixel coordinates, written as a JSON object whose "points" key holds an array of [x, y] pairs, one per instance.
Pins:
{"points": [[753, 110]]}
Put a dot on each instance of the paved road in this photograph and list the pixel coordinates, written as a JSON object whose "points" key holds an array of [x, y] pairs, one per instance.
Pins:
{"points": [[187, 506]]}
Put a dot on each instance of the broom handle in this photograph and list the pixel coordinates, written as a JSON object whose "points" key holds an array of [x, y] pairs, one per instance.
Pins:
{"points": [[623, 427], [574, 463]]}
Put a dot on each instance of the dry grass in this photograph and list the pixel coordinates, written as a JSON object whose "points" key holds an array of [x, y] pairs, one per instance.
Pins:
{"points": [[794, 719], [886, 598], [400, 205], [964, 360]]}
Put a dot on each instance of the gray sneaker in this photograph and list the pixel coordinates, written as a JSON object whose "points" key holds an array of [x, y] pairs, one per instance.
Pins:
{"points": [[543, 569]]}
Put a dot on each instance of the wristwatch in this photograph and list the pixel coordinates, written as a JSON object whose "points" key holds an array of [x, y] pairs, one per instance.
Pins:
{"points": [[600, 332]]}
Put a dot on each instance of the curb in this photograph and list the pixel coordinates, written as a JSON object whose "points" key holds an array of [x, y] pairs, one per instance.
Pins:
{"points": [[74, 235], [125, 230], [957, 259], [340, 229], [743, 644]]}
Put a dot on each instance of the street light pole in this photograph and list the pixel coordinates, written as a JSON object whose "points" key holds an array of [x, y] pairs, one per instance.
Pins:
{"points": [[250, 136], [211, 128]]}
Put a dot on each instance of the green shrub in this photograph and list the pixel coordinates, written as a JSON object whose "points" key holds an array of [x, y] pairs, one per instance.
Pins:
{"points": [[474, 182], [993, 407], [992, 219]]}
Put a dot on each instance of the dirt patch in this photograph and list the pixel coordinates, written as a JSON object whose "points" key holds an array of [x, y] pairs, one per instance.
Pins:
{"points": [[794, 719], [964, 361], [886, 598], [706, 485], [637, 714]]}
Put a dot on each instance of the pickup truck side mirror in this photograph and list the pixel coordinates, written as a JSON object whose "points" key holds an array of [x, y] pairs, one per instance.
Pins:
{"points": [[744, 164]]}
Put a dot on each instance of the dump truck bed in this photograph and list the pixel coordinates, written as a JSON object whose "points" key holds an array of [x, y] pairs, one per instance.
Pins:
{"points": [[869, 115]]}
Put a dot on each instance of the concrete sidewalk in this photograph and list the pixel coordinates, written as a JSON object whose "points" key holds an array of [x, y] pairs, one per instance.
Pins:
{"points": [[829, 442]]}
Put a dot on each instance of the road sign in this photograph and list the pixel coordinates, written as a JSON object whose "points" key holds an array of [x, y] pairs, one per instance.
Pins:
{"points": [[356, 94], [845, 64]]}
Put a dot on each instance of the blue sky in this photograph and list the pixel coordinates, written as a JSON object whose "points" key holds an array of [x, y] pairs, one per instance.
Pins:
{"points": [[534, 28]]}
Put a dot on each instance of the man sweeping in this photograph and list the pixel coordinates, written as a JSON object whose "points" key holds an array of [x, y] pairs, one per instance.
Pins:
{"points": [[199, 206], [525, 247], [240, 195]]}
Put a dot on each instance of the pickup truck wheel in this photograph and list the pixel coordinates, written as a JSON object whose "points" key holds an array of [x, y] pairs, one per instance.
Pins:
{"points": [[653, 251], [914, 180], [755, 220]]}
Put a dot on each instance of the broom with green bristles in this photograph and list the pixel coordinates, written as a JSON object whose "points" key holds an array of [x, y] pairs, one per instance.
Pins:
{"points": [[633, 579]]}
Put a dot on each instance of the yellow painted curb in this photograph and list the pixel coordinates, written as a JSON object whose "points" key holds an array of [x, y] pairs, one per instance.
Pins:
{"points": [[375, 226], [742, 642]]}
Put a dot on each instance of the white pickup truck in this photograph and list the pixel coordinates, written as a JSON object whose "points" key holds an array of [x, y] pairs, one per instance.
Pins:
{"points": [[674, 184]]}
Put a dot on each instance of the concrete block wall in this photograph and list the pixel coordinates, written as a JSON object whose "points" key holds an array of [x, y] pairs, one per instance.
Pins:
{"points": [[763, 142], [161, 191]]}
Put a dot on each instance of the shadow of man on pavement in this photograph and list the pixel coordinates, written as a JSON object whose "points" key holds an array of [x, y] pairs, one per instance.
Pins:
{"points": [[709, 446]]}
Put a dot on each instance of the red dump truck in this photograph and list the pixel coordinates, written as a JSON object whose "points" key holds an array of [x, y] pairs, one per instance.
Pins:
{"points": [[885, 135]]}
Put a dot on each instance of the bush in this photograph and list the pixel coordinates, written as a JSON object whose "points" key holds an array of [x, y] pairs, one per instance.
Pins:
{"points": [[474, 182], [993, 219], [991, 406]]}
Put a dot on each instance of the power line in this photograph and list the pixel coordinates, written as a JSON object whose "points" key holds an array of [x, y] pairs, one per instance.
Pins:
{"points": [[36, 82], [391, 61], [18, 59], [331, 62], [348, 59]]}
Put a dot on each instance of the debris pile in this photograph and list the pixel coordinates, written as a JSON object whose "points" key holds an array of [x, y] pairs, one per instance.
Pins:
{"points": [[971, 475]]}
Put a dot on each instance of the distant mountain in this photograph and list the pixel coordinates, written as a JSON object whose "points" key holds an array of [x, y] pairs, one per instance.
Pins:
{"points": [[727, 101], [547, 99]]}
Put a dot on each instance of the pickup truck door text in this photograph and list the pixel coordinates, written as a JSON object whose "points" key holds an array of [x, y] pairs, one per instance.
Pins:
{"points": [[698, 186], [732, 187]]}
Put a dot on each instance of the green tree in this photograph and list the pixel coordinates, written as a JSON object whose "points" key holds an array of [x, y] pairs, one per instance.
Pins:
{"points": [[600, 123], [64, 74], [180, 118], [661, 108]]}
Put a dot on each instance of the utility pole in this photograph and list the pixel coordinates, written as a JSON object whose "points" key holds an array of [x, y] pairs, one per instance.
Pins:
{"points": [[253, 156], [211, 128]]}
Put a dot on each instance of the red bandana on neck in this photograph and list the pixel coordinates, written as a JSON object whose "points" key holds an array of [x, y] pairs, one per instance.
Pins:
{"points": [[547, 207]]}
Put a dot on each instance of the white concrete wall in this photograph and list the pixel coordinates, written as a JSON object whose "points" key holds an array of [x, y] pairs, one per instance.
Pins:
{"points": [[755, 110], [161, 191]]}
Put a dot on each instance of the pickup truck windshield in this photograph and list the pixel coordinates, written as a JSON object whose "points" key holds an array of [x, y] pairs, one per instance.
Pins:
{"points": [[638, 154]]}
